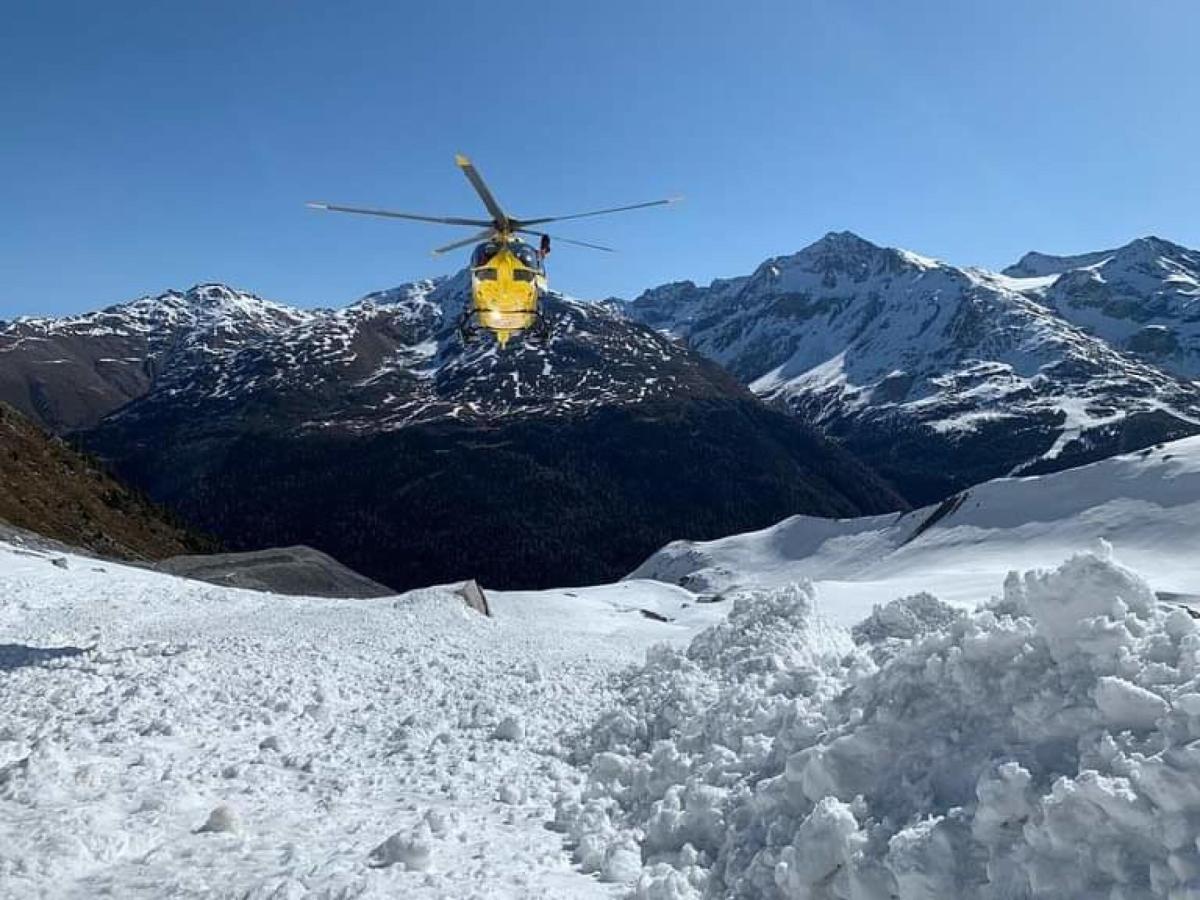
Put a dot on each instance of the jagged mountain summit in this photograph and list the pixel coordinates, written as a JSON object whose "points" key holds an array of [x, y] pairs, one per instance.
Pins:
{"points": [[68, 373], [938, 376], [388, 360], [1143, 298], [370, 433]]}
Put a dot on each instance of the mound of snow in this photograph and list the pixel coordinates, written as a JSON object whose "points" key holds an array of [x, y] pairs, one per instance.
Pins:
{"points": [[1043, 745]]}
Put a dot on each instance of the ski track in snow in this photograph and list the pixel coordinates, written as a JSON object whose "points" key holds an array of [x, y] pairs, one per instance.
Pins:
{"points": [[324, 727]]}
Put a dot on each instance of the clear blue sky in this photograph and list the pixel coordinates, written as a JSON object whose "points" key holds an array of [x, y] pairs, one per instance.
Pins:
{"points": [[153, 145]]}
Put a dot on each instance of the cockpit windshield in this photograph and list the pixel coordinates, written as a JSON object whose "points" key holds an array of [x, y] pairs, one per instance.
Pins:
{"points": [[525, 253], [484, 252]]}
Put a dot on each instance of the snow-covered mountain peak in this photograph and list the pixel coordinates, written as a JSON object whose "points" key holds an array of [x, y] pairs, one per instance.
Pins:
{"points": [[220, 301], [840, 245], [1152, 254], [845, 253], [1143, 298], [201, 309], [862, 339], [412, 291], [1152, 260]]}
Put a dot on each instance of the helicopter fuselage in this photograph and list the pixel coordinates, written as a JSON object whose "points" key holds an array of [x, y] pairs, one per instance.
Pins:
{"points": [[507, 284]]}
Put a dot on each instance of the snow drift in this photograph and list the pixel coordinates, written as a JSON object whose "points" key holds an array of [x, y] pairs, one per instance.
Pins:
{"points": [[1043, 745], [1146, 504]]}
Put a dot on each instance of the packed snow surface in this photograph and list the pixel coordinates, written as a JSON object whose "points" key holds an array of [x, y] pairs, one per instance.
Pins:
{"points": [[1146, 504], [167, 738]]}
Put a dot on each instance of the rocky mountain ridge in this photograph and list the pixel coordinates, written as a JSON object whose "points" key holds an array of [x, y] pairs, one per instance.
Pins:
{"points": [[370, 433], [940, 376]]}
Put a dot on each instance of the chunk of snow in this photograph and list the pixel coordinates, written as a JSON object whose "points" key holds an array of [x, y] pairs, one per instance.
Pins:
{"points": [[1125, 705], [1027, 749], [222, 819], [411, 850], [511, 728]]}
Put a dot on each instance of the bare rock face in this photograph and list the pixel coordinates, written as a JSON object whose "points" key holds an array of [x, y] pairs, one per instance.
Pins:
{"points": [[474, 597]]}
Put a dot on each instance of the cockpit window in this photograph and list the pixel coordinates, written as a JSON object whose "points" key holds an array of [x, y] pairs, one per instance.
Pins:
{"points": [[526, 254], [484, 252]]}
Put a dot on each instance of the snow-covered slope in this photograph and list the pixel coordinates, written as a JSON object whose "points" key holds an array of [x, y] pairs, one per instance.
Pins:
{"points": [[1145, 504], [388, 360], [938, 375], [167, 738], [70, 372], [1143, 298], [160, 737]]}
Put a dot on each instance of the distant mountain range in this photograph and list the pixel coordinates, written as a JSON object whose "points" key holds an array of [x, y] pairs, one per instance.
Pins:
{"points": [[941, 377], [690, 412], [369, 433]]}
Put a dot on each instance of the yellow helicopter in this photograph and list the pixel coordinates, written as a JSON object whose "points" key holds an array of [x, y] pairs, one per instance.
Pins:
{"points": [[508, 276]]}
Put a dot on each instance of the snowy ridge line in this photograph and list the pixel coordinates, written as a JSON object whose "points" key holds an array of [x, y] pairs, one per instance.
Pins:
{"points": [[854, 336], [385, 362], [1146, 504]]}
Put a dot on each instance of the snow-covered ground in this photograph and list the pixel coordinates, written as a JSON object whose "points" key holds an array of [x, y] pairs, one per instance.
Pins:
{"points": [[204, 741], [847, 737], [1145, 504], [1046, 745]]}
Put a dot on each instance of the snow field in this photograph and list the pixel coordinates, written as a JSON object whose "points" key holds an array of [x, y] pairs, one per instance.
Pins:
{"points": [[798, 739], [221, 743], [1146, 504], [1046, 744]]}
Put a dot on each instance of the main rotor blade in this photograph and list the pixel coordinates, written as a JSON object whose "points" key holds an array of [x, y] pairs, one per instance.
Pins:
{"points": [[473, 176], [391, 214], [473, 239], [600, 212], [564, 240]]}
